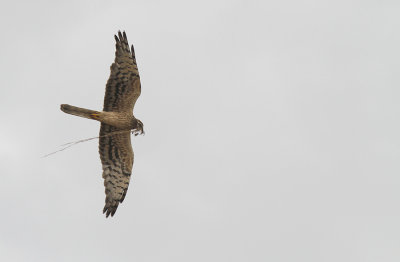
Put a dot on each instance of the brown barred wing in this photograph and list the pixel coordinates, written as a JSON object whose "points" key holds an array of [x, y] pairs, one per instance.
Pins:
{"points": [[117, 159], [123, 86]]}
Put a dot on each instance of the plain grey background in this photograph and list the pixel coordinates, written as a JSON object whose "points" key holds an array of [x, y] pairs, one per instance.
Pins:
{"points": [[272, 131]]}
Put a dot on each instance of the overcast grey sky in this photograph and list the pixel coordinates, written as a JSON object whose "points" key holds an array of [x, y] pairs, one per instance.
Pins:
{"points": [[272, 131]]}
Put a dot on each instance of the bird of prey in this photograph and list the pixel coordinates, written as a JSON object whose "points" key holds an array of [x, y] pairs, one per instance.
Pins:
{"points": [[117, 121]]}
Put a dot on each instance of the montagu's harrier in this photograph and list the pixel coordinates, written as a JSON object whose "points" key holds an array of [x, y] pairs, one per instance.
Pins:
{"points": [[117, 121]]}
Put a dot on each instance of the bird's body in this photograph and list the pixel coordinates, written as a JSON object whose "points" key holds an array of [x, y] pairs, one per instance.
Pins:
{"points": [[117, 121]]}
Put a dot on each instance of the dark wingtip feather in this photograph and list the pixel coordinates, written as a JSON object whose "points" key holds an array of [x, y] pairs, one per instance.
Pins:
{"points": [[109, 210], [116, 38], [106, 211]]}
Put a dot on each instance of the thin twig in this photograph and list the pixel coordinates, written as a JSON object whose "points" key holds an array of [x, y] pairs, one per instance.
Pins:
{"points": [[68, 145]]}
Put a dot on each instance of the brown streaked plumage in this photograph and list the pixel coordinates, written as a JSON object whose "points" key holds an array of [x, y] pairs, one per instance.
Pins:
{"points": [[122, 90]]}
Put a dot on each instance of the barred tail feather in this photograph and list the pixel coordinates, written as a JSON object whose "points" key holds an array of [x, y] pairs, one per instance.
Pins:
{"points": [[77, 111]]}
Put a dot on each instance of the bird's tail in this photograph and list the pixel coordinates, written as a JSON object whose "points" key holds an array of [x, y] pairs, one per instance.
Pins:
{"points": [[82, 112]]}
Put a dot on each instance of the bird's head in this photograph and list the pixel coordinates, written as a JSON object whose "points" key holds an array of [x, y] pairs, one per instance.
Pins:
{"points": [[138, 127]]}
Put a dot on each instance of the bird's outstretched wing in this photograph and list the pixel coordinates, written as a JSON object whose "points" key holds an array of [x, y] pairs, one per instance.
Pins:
{"points": [[123, 86], [116, 154]]}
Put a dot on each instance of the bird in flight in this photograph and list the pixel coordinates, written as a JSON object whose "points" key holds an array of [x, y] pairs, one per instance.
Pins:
{"points": [[117, 122]]}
